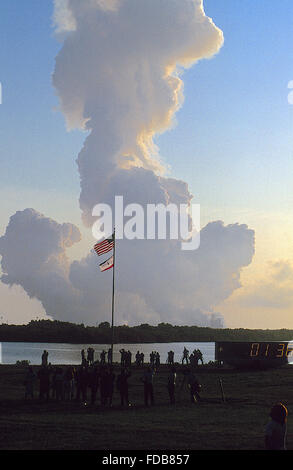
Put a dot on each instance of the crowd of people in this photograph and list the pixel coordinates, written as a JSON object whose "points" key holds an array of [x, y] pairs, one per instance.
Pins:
{"points": [[192, 358], [96, 381]]}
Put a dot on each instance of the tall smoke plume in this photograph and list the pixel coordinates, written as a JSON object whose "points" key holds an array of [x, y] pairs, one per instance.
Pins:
{"points": [[119, 76]]}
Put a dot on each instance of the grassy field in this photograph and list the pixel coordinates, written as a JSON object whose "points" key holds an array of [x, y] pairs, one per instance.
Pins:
{"points": [[236, 424]]}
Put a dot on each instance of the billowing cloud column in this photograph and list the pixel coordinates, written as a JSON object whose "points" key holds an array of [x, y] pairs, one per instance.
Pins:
{"points": [[119, 76]]}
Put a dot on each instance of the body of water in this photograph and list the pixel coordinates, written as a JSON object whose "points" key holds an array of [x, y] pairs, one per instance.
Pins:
{"points": [[64, 353]]}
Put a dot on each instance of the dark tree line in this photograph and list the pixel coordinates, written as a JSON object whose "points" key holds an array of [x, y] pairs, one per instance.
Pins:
{"points": [[65, 332]]}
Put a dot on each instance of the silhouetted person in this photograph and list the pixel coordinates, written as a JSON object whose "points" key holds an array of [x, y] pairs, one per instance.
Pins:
{"points": [[157, 360], [94, 383], [128, 359], [106, 385], [109, 356], [142, 359], [171, 383], [123, 357], [122, 386], [170, 359], [276, 429], [199, 356], [103, 357], [44, 379], [110, 386], [196, 356], [185, 355], [53, 382], [69, 383], [83, 359], [45, 358], [29, 383], [90, 355], [194, 387], [137, 358], [192, 360], [81, 383], [147, 380], [152, 359], [59, 384]]}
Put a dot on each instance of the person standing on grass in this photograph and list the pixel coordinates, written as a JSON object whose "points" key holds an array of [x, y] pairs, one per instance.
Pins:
{"points": [[194, 387], [157, 361], [107, 378], [147, 380], [103, 357], [59, 384], [90, 355], [109, 356], [111, 381], [68, 383], [44, 382], [276, 429], [94, 382], [185, 355], [45, 358], [137, 359], [141, 359], [81, 384], [83, 359], [29, 383], [170, 359], [171, 383], [122, 386]]}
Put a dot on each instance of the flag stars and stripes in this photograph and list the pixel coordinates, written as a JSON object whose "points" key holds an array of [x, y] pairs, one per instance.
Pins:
{"points": [[105, 246]]}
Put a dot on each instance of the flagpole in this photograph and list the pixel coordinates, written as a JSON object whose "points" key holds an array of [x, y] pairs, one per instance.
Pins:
{"points": [[113, 297]]}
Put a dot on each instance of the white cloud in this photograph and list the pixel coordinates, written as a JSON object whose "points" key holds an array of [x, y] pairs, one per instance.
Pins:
{"points": [[155, 279], [119, 74]]}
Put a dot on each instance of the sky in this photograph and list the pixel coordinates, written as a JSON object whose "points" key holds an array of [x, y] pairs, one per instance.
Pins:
{"points": [[230, 141]]}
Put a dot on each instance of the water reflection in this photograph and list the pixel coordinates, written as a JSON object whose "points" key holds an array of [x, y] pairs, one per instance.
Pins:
{"points": [[60, 353]]}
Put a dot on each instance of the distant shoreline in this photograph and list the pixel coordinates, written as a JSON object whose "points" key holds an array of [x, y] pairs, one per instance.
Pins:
{"points": [[49, 331]]}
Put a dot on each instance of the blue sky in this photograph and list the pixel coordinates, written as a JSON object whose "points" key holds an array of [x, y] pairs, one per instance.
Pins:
{"points": [[234, 132], [38, 151], [232, 142], [235, 119]]}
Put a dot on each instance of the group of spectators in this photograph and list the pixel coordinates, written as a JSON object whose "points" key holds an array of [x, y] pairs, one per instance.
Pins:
{"points": [[83, 382], [94, 381], [192, 358]]}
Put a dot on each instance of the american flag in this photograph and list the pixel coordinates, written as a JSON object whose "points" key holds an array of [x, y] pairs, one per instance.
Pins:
{"points": [[104, 246]]}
